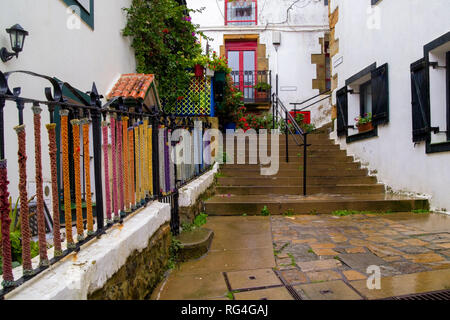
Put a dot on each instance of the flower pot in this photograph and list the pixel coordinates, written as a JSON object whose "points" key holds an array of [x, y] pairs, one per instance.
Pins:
{"points": [[198, 70], [365, 127], [219, 76], [209, 72], [261, 95]]}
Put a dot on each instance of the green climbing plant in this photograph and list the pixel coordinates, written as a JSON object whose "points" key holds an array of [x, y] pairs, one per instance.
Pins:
{"points": [[165, 43]]}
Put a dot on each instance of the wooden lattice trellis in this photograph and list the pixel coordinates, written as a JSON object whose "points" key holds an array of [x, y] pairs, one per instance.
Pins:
{"points": [[198, 99]]}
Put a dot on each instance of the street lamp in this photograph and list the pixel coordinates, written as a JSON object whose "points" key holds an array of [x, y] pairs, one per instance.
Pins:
{"points": [[17, 37]]}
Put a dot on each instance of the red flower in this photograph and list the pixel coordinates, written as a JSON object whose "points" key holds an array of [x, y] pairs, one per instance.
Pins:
{"points": [[180, 98], [165, 30]]}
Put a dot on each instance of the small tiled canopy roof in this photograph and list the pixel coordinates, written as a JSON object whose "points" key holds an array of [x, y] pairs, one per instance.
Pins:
{"points": [[132, 85]]}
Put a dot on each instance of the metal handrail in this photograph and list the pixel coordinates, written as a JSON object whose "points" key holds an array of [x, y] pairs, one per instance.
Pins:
{"points": [[276, 101], [307, 100]]}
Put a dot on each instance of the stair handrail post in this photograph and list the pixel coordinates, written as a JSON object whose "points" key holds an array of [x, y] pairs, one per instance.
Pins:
{"points": [[305, 150], [287, 137], [273, 110], [276, 101]]}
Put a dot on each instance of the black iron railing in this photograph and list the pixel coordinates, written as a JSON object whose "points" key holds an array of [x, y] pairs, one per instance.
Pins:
{"points": [[292, 128], [323, 96], [256, 85], [143, 170]]}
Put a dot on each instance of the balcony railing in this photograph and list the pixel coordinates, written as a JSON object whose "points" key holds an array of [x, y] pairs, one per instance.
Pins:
{"points": [[256, 85], [241, 12]]}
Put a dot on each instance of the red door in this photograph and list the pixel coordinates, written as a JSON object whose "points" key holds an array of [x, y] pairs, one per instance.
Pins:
{"points": [[242, 59]]}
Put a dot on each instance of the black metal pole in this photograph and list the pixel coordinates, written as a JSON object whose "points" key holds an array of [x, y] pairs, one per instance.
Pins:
{"points": [[287, 138], [276, 101], [97, 140], [305, 156], [273, 111], [20, 107]]}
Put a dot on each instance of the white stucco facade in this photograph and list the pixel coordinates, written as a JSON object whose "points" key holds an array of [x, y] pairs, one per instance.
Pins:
{"points": [[395, 32], [60, 46], [301, 27]]}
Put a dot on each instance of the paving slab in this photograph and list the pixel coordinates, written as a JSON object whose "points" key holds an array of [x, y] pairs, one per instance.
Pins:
{"points": [[231, 260], [294, 276], [318, 265], [331, 290], [193, 287], [353, 275], [252, 279], [320, 276], [265, 294], [360, 261], [406, 284]]}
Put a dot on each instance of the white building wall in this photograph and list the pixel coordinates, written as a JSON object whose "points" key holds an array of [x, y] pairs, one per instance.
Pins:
{"points": [[395, 32], [78, 56], [301, 28]]}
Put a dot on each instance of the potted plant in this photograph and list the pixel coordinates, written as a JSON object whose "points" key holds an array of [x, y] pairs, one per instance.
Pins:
{"points": [[200, 62], [364, 123], [262, 88], [220, 67]]}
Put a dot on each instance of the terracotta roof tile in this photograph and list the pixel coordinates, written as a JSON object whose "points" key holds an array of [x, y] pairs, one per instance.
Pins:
{"points": [[132, 85]]}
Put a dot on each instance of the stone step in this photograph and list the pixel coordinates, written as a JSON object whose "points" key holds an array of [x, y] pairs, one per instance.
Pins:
{"points": [[294, 152], [314, 138], [293, 180], [311, 159], [311, 189], [316, 172], [320, 204], [194, 243], [296, 165]]}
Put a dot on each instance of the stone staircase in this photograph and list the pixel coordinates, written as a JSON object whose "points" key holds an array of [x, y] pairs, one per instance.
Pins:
{"points": [[334, 182]]}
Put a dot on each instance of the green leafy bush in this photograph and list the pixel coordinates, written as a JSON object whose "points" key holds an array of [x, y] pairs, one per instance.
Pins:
{"points": [[165, 43]]}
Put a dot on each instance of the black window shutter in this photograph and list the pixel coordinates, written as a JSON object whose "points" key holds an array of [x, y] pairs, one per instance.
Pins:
{"points": [[420, 93], [380, 95], [342, 111]]}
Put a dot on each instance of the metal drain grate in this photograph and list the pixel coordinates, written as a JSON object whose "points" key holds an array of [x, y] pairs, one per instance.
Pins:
{"points": [[432, 296]]}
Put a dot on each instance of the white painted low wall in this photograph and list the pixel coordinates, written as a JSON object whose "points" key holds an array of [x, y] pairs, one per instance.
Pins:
{"points": [[190, 193], [76, 276]]}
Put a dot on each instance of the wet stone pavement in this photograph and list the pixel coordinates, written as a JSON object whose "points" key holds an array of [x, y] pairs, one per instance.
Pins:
{"points": [[317, 257]]}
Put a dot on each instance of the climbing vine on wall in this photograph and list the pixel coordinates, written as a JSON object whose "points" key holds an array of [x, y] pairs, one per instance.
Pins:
{"points": [[165, 42]]}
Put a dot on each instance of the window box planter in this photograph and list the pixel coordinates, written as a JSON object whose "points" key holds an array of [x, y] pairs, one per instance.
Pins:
{"points": [[261, 95], [365, 127]]}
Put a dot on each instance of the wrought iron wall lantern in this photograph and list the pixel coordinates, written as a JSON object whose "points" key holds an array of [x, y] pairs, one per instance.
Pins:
{"points": [[17, 37]]}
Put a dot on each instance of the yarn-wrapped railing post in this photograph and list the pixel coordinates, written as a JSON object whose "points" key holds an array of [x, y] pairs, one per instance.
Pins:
{"points": [[43, 262], [51, 130], [87, 175], [8, 278], [76, 159], [155, 156], [126, 167], [106, 167], [120, 165], [64, 116], [23, 193]]}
